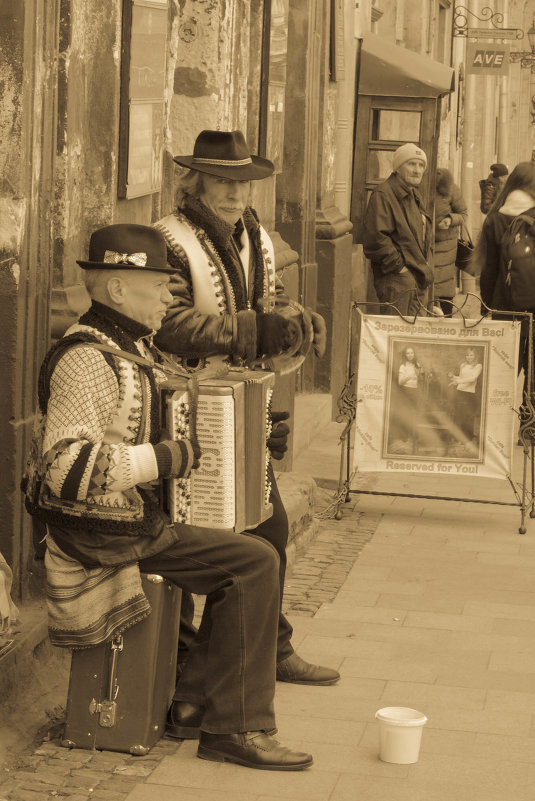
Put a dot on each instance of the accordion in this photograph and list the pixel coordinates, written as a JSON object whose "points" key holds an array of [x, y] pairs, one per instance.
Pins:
{"points": [[231, 488]]}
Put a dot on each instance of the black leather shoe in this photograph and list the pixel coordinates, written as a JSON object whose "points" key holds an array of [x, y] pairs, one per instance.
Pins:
{"points": [[184, 720], [253, 749], [296, 671]]}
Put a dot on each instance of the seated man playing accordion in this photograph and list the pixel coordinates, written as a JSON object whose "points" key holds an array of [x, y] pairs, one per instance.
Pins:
{"points": [[98, 452], [223, 286]]}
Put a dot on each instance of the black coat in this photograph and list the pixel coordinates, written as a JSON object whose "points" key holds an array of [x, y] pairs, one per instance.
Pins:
{"points": [[390, 240], [494, 290], [451, 204]]}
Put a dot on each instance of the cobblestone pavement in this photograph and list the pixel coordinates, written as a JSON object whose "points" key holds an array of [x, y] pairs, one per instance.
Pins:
{"points": [[52, 772], [318, 574]]}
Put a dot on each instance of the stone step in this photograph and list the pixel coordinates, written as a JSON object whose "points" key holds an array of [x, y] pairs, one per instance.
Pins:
{"points": [[298, 493]]}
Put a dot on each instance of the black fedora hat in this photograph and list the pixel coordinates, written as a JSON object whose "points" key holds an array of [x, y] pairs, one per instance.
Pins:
{"points": [[225, 154], [126, 246]]}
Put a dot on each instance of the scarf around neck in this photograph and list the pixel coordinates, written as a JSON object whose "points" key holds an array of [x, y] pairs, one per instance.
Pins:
{"points": [[220, 234], [517, 202]]}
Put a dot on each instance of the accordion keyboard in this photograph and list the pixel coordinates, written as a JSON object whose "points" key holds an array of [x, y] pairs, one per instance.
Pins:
{"points": [[231, 488], [211, 490]]}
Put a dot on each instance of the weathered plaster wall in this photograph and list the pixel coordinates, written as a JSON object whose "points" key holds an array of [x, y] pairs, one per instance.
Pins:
{"points": [[26, 39], [210, 76], [327, 146], [216, 50], [86, 164], [14, 204]]}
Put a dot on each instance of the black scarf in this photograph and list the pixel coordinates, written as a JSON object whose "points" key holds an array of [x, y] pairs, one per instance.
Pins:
{"points": [[220, 234]]}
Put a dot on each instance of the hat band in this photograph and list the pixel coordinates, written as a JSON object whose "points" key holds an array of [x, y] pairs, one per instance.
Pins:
{"points": [[137, 259], [224, 162]]}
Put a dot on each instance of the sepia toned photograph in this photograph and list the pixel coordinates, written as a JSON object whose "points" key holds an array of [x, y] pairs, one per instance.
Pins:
{"points": [[435, 402], [266, 307]]}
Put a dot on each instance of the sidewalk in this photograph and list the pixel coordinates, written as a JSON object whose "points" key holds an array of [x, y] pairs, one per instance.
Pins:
{"points": [[435, 610]]}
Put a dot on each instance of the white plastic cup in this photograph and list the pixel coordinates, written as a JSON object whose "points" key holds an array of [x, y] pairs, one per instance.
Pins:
{"points": [[400, 734]]}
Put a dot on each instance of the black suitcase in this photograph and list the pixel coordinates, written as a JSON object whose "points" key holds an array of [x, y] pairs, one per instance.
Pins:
{"points": [[119, 692]]}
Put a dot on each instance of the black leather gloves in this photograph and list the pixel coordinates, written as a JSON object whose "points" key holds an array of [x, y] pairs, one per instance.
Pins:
{"points": [[272, 331], [278, 439], [197, 453]]}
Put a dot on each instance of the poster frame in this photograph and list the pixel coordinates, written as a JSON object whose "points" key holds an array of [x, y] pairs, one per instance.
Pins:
{"points": [[347, 405], [130, 104]]}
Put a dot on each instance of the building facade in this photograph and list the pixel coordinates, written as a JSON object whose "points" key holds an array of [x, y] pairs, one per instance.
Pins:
{"points": [[98, 97]]}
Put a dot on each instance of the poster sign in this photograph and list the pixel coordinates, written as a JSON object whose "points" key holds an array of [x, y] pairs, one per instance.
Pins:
{"points": [[273, 88], [436, 396], [145, 147], [487, 58], [143, 76]]}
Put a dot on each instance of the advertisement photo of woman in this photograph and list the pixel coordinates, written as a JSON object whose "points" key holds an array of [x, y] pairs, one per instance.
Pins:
{"points": [[405, 409], [467, 402]]}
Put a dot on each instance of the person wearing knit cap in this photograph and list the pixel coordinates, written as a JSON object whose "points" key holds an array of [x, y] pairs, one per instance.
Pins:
{"points": [[397, 236], [492, 186]]}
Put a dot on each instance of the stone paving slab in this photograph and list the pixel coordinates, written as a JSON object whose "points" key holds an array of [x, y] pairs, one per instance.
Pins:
{"points": [[316, 575], [420, 603]]}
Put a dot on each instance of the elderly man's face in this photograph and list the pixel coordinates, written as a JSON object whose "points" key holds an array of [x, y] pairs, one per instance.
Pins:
{"points": [[412, 172], [225, 198], [145, 296]]}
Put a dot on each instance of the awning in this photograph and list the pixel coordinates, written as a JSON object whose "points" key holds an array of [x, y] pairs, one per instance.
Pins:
{"points": [[389, 70]]}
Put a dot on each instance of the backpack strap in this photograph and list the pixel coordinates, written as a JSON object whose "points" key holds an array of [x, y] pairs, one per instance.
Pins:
{"points": [[527, 218]]}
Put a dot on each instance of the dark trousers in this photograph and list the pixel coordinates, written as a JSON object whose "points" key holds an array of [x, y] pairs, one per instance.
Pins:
{"points": [[406, 412], [446, 304], [275, 531], [403, 292], [465, 412], [235, 648]]}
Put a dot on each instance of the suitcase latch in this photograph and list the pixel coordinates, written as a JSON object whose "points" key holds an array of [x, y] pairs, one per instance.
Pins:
{"points": [[107, 712]]}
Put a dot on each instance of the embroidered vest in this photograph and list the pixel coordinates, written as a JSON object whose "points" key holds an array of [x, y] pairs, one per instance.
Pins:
{"points": [[212, 291]]}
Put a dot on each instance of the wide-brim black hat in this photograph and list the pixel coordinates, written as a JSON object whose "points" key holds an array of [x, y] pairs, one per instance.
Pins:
{"points": [[225, 154], [126, 246]]}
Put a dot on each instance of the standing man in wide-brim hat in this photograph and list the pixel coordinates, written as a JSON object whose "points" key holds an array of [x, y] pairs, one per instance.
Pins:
{"points": [[225, 269]]}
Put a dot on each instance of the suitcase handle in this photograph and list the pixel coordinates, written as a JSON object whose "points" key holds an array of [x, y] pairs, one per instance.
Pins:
{"points": [[113, 686], [107, 709]]}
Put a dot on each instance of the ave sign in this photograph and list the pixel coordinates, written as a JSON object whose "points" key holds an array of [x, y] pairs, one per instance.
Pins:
{"points": [[485, 58]]}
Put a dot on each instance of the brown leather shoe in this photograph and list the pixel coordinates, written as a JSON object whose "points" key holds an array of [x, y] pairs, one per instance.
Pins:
{"points": [[253, 749], [184, 720], [296, 671]]}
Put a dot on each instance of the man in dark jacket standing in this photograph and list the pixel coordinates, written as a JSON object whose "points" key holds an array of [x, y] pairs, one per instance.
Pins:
{"points": [[398, 236]]}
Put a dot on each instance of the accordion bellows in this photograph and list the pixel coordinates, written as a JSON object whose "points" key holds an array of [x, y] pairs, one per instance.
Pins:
{"points": [[230, 490]]}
